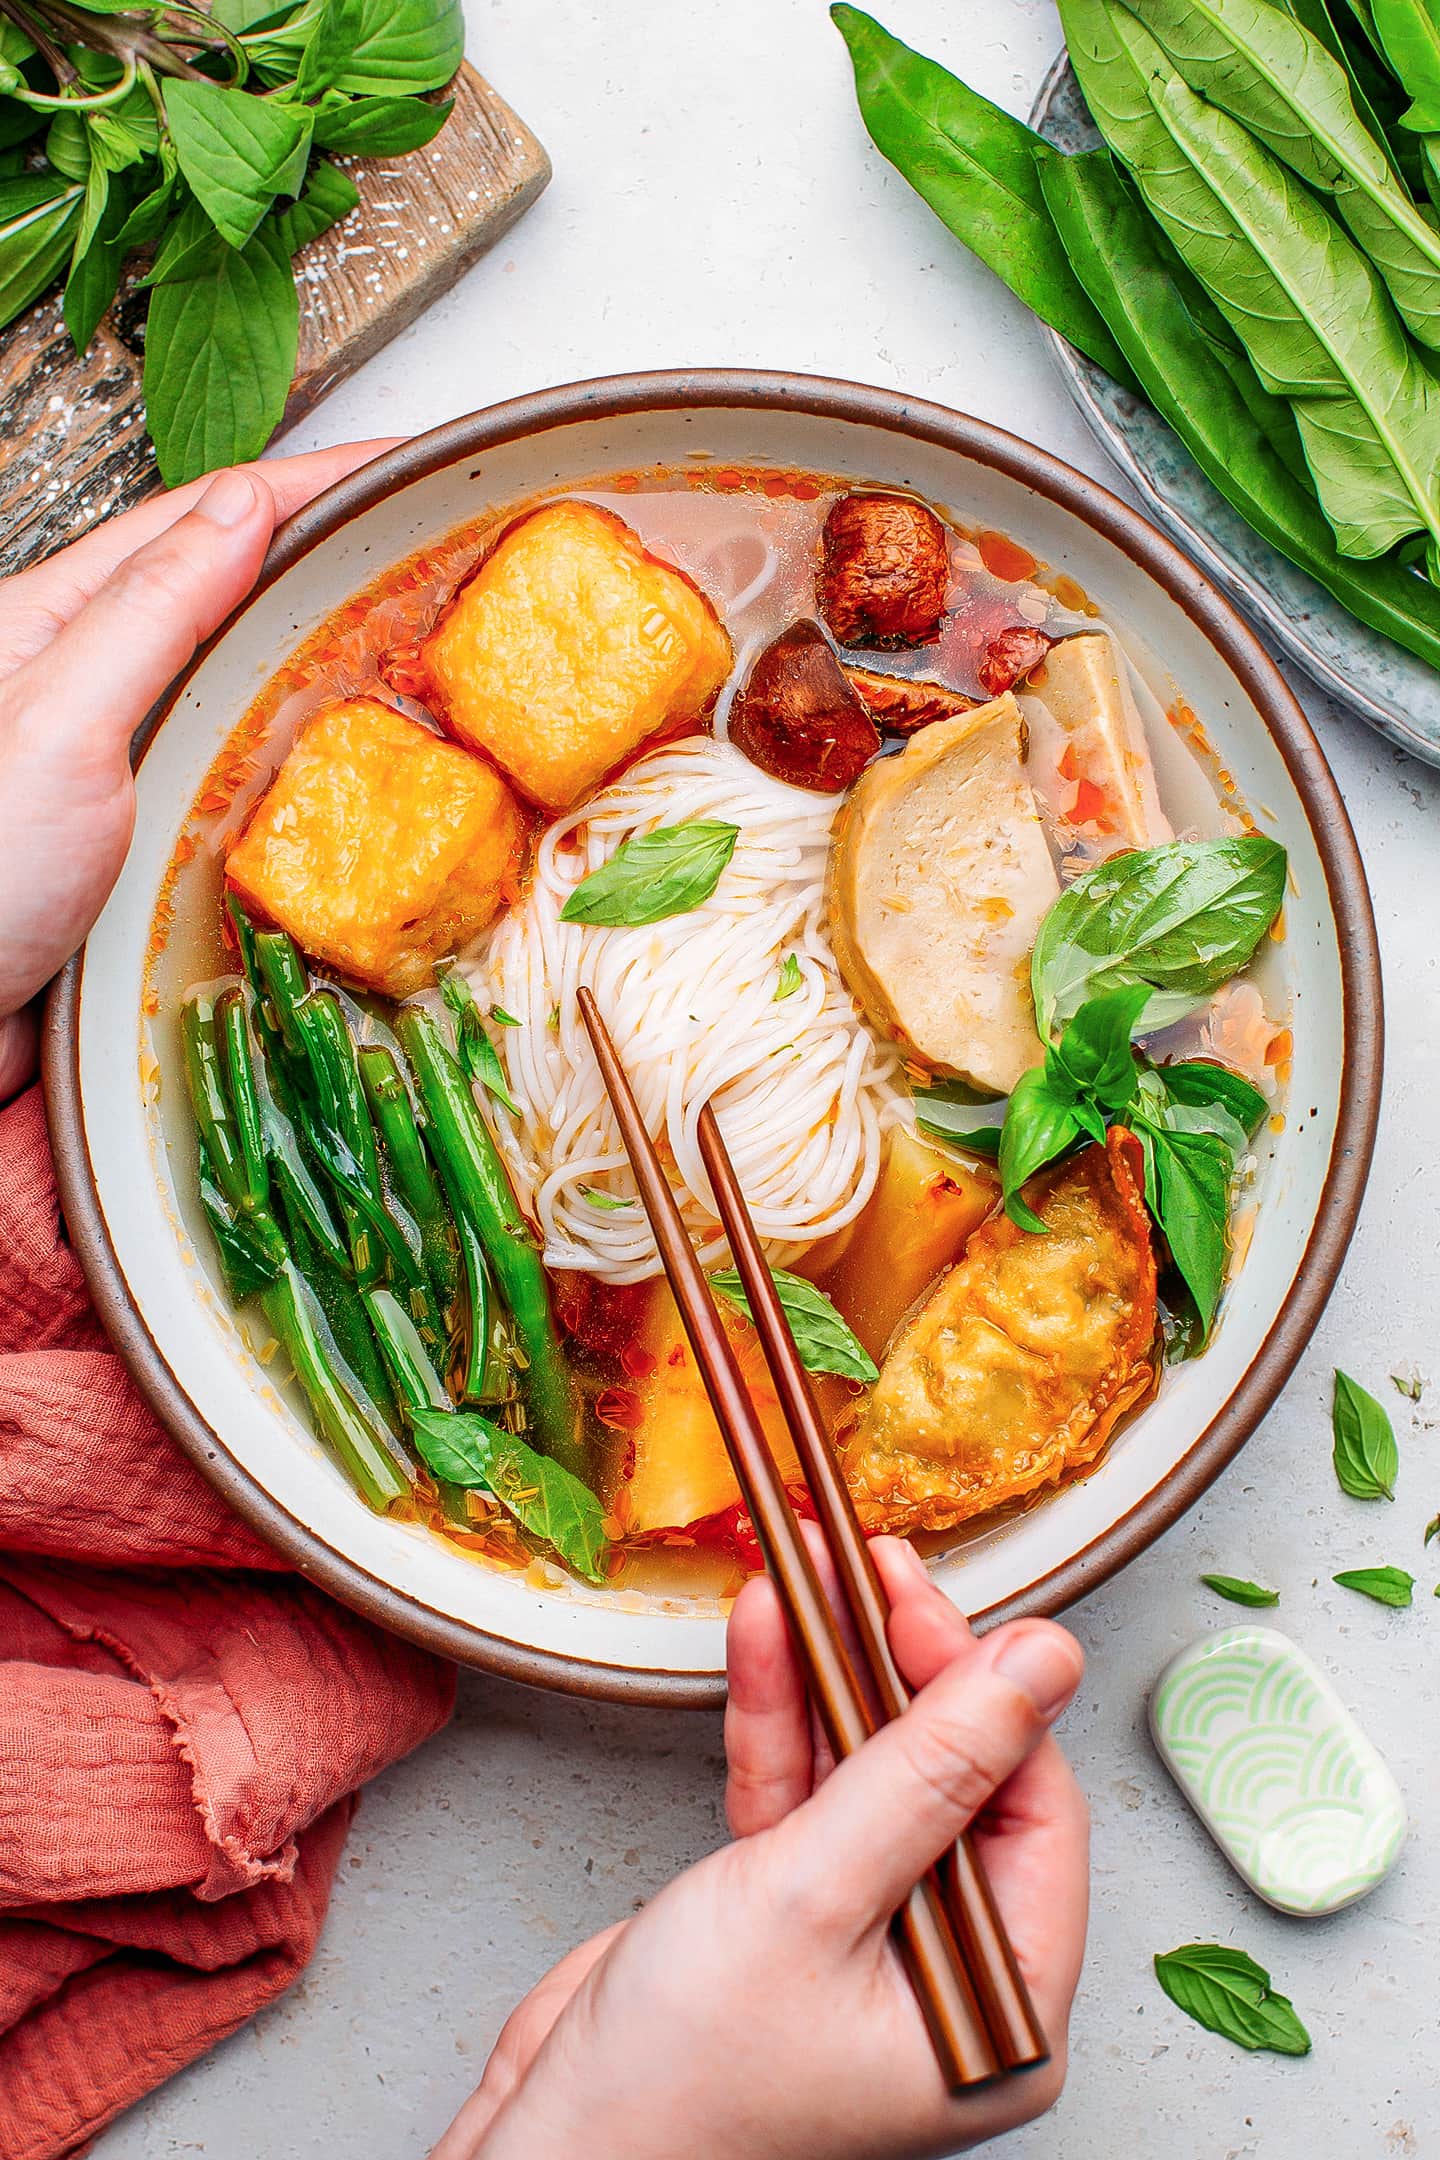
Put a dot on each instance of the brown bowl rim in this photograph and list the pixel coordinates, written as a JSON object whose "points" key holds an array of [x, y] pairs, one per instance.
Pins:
{"points": [[1362, 1000]]}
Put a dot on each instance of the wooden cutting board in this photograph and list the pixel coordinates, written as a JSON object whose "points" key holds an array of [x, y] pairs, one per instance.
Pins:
{"points": [[73, 448]]}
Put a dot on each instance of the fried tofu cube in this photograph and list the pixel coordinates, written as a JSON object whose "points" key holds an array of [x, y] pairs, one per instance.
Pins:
{"points": [[379, 847], [567, 648]]}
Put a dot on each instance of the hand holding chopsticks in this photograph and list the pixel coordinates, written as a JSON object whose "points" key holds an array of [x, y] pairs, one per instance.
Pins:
{"points": [[948, 1932]]}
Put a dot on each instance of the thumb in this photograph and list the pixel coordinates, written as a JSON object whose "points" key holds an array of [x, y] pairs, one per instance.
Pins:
{"points": [[95, 681], [861, 1844]]}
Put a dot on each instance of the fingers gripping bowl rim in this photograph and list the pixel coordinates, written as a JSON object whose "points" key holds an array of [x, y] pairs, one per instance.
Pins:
{"points": [[122, 1219]]}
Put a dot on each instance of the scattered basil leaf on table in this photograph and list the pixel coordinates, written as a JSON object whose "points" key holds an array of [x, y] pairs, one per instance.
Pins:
{"points": [[1181, 919], [1432, 1529], [479, 1058], [1199, 378], [1386, 1585], [462, 1448], [979, 170], [655, 875], [825, 1342], [1227, 1992], [1410, 1385], [220, 358], [1366, 1456], [789, 978], [1240, 1592]]}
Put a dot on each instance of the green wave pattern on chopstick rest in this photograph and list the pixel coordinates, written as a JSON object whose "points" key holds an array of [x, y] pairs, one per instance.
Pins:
{"points": [[1277, 1769]]}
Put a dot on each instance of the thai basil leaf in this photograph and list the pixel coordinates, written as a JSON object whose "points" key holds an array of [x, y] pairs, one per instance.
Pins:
{"points": [[329, 196], [67, 145], [979, 171], [1258, 64], [1238, 433], [463, 1448], [1183, 918], [237, 153], [1187, 1186], [1038, 1127], [38, 218], [1366, 1456], [655, 875], [1432, 1529], [1306, 302], [147, 220], [1386, 1585], [381, 47], [1198, 1083], [825, 1342], [94, 277], [788, 978], [191, 248], [479, 1058], [1094, 1058], [1410, 35], [949, 1121], [1240, 1592], [219, 360], [380, 126], [1230, 1994]]}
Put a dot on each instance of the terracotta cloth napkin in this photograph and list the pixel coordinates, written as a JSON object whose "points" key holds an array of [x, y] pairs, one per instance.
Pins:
{"points": [[179, 1746]]}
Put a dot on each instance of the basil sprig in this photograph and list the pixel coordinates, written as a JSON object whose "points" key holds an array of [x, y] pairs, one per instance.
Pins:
{"points": [[825, 1342], [1240, 1592], [478, 1055], [1181, 919], [463, 1448], [1386, 1585], [655, 875], [1366, 1455], [1228, 1993], [201, 137]]}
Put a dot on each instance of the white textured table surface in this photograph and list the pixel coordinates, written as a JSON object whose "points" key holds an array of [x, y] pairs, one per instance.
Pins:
{"points": [[715, 201]]}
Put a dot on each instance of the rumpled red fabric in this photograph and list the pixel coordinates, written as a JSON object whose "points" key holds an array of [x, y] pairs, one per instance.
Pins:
{"points": [[183, 1725]]}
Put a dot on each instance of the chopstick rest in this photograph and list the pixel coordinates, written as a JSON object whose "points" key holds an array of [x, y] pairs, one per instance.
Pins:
{"points": [[1277, 1769]]}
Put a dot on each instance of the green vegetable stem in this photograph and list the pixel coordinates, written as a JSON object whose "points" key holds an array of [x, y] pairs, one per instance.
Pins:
{"points": [[480, 1192]]}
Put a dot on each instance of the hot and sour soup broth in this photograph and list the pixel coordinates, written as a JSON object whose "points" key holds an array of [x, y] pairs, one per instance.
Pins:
{"points": [[750, 541]]}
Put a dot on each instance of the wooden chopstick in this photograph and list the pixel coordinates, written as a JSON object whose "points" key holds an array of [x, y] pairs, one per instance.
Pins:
{"points": [[848, 1710], [985, 1947]]}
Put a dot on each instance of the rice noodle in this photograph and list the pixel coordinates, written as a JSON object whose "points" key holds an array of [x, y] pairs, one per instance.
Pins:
{"points": [[803, 1090]]}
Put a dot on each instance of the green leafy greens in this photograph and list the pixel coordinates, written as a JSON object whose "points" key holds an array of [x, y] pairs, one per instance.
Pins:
{"points": [[154, 138], [1254, 242], [1227, 1992]]}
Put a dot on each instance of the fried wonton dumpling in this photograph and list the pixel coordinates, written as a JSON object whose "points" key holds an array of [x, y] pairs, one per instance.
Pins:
{"points": [[379, 847], [1023, 1358], [567, 648]]}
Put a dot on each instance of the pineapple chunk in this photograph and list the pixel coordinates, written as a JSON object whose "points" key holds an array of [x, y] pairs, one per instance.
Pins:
{"points": [[681, 1471], [379, 847], [916, 1223], [567, 648]]}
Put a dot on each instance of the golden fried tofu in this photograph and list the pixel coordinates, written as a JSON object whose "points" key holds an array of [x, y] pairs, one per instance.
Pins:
{"points": [[1023, 1358], [379, 847], [567, 648]]}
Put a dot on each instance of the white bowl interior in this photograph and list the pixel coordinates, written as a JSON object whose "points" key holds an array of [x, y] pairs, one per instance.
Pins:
{"points": [[137, 1136]]}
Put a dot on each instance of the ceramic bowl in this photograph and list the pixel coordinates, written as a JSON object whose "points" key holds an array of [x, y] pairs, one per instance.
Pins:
{"points": [[120, 1139]]}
